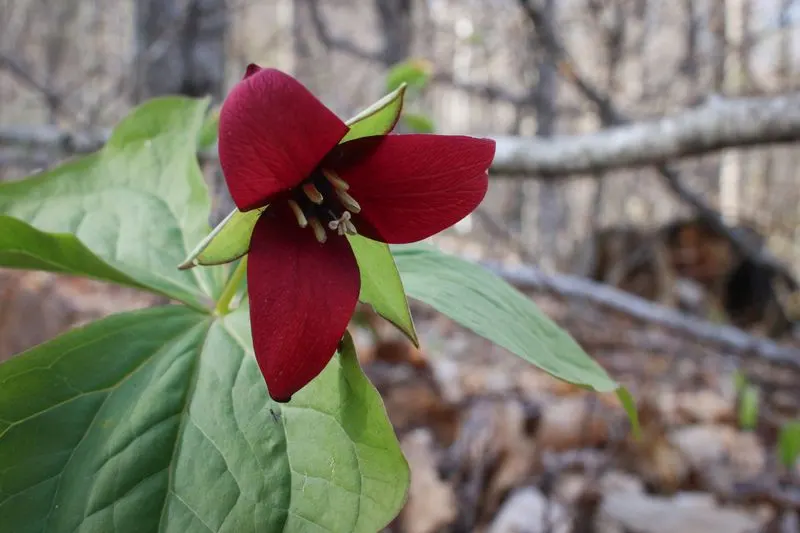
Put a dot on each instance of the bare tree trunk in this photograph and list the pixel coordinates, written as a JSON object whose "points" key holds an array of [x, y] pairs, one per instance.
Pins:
{"points": [[689, 64], [731, 161], [717, 25], [301, 46], [397, 28], [55, 47], [181, 50], [550, 211], [181, 47], [787, 56], [615, 34]]}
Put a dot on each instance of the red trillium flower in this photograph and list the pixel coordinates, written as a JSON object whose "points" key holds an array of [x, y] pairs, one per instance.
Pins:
{"points": [[280, 147]]}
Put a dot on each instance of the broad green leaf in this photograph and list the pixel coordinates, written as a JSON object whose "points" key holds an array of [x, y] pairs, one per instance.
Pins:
{"points": [[629, 404], [231, 238], [418, 123], [748, 407], [484, 303], [209, 131], [789, 444], [158, 421], [25, 247], [381, 286], [138, 204], [416, 73]]}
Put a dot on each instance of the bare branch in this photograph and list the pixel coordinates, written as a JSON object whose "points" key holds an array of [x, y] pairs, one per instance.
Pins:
{"points": [[490, 92], [52, 138], [575, 288], [610, 116], [715, 125], [24, 74]]}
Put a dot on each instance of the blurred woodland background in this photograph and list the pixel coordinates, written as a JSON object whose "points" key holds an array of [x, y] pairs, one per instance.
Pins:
{"points": [[645, 195]]}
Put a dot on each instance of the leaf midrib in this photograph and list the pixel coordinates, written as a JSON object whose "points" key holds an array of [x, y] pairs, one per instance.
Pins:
{"points": [[164, 346], [179, 435]]}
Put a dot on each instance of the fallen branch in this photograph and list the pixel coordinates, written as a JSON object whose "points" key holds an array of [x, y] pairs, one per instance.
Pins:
{"points": [[713, 126], [729, 338]]}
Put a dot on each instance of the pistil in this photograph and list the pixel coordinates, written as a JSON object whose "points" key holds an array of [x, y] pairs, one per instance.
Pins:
{"points": [[342, 225]]}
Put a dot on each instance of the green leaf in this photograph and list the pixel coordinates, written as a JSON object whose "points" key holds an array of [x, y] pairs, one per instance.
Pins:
{"points": [[484, 303], [419, 123], [789, 444], [748, 407], [158, 421], [138, 204], [208, 133], [416, 73], [231, 238], [629, 404], [23, 246], [381, 286], [739, 381]]}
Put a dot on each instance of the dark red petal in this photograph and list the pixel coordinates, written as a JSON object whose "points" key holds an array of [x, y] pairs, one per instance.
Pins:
{"points": [[413, 186], [272, 133], [302, 296]]}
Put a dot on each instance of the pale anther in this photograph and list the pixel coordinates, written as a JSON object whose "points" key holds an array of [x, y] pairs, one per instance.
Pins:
{"points": [[313, 193], [298, 214], [348, 201], [336, 181], [319, 231]]}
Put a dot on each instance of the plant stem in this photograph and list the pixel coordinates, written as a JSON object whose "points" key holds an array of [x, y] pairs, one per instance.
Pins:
{"points": [[231, 288]]}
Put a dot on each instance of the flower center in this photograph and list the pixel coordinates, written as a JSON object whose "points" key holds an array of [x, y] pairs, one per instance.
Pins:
{"points": [[322, 201]]}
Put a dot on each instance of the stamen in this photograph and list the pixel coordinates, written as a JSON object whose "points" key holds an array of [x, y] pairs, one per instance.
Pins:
{"points": [[313, 193], [348, 201], [319, 231], [336, 181], [298, 214]]}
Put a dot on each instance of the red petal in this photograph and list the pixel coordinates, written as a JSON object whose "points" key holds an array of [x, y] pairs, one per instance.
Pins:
{"points": [[302, 296], [272, 133], [413, 186]]}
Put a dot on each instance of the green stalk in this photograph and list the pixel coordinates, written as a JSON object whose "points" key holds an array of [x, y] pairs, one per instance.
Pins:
{"points": [[231, 288]]}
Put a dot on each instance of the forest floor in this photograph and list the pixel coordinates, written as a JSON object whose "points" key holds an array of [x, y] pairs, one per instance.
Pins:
{"points": [[496, 445]]}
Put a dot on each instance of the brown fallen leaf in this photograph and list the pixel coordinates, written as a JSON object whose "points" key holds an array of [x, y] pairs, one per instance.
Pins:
{"points": [[431, 504]]}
